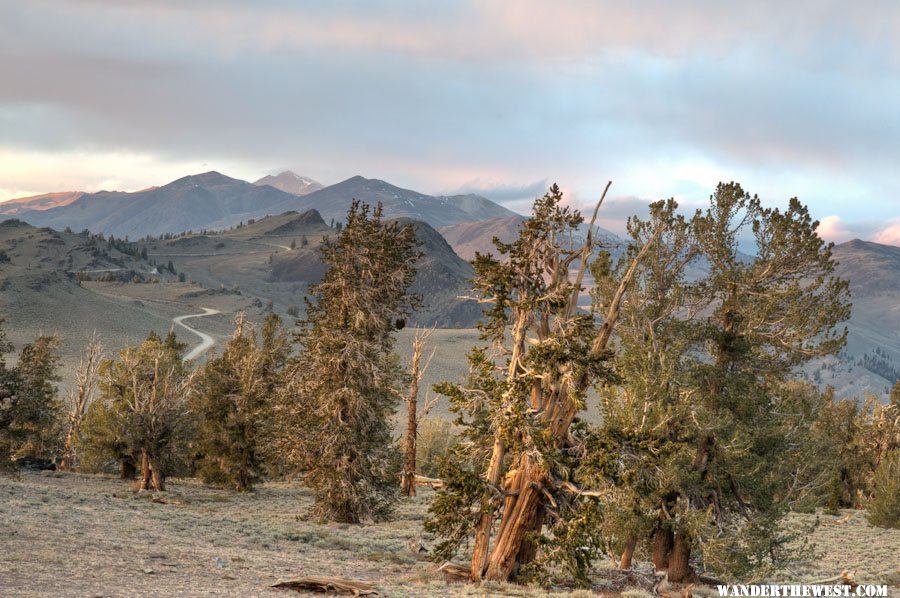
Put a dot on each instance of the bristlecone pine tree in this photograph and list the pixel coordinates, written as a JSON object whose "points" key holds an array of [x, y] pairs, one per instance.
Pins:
{"points": [[144, 400], [347, 381], [231, 400], [700, 452], [510, 481]]}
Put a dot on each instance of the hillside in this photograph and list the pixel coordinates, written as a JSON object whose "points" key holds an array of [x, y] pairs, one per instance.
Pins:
{"points": [[276, 259], [40, 291], [39, 202], [871, 359], [467, 238], [73, 284], [290, 182]]}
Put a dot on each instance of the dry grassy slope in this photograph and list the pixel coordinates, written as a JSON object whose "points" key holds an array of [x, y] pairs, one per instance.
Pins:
{"points": [[467, 238], [80, 535], [39, 295]]}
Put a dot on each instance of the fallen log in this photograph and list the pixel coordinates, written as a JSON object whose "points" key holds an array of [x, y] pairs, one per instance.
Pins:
{"points": [[454, 573], [332, 585], [433, 483], [846, 578]]}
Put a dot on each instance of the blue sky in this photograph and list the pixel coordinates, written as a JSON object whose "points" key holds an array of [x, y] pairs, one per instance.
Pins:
{"points": [[498, 98]]}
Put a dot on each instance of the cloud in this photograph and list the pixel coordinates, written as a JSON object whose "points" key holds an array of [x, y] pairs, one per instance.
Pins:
{"points": [[889, 235], [504, 192], [832, 228], [664, 98]]}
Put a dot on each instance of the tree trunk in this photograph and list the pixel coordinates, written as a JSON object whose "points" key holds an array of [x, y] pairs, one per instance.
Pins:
{"points": [[483, 535], [68, 460], [663, 540], [157, 475], [680, 570], [408, 476], [518, 520], [529, 549], [126, 469], [144, 483], [628, 553]]}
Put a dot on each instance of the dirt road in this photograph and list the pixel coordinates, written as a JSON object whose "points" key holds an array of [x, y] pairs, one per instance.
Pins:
{"points": [[206, 341]]}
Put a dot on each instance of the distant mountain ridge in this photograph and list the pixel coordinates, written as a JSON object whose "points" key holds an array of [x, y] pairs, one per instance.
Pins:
{"points": [[39, 202], [290, 182], [214, 201], [871, 359], [438, 211]]}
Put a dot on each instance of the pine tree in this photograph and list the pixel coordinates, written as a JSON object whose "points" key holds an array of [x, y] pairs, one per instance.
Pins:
{"points": [[884, 508], [521, 442], [7, 398], [232, 395], [346, 381], [143, 405], [36, 426], [700, 441]]}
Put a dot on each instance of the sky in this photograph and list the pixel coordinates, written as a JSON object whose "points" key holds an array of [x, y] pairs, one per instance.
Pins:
{"points": [[497, 98]]}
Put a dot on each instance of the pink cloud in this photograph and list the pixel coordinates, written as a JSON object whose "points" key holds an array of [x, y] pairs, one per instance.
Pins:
{"points": [[889, 235], [832, 228]]}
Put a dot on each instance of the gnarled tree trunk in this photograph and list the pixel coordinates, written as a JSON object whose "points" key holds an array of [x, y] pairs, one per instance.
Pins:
{"points": [[680, 570], [524, 485], [663, 540], [628, 553]]}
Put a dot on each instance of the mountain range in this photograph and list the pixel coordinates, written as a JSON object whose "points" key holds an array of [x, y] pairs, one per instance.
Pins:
{"points": [[235, 245], [290, 182], [213, 201]]}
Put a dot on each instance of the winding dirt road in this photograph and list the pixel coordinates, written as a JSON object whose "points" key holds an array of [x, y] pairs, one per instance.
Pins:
{"points": [[206, 341]]}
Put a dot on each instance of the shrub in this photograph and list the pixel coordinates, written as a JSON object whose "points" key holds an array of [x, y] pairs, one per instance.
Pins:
{"points": [[436, 436], [884, 508]]}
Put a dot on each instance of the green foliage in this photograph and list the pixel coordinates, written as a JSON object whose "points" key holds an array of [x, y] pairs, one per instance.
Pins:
{"points": [[706, 427], [884, 508], [105, 441], [345, 383], [435, 438], [231, 402], [141, 413], [859, 436], [30, 409], [37, 424], [541, 364]]}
